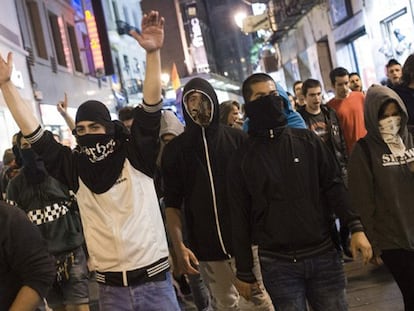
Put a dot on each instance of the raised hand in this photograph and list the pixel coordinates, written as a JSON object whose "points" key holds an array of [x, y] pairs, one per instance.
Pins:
{"points": [[151, 37], [62, 106], [6, 68]]}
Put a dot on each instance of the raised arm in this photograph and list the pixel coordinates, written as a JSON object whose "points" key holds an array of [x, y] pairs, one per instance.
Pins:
{"points": [[21, 112], [151, 39], [62, 107]]}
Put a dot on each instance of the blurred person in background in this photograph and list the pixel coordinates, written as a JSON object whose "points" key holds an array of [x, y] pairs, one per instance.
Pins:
{"points": [[393, 72], [355, 82], [230, 114], [405, 89]]}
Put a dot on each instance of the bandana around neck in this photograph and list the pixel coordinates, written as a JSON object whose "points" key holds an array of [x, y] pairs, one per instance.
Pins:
{"points": [[100, 161]]}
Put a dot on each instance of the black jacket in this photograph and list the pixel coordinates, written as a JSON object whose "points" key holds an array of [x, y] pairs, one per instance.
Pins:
{"points": [[24, 259], [283, 192], [50, 206], [407, 96], [193, 167]]}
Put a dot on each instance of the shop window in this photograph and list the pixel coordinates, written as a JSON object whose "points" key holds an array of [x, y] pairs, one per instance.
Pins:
{"points": [[57, 40], [37, 29], [397, 33], [75, 49]]}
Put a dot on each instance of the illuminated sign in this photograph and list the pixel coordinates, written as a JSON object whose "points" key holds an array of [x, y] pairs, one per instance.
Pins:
{"points": [[94, 40], [66, 49]]}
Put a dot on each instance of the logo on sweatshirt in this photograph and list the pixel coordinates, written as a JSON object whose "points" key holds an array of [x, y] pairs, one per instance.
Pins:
{"points": [[392, 160]]}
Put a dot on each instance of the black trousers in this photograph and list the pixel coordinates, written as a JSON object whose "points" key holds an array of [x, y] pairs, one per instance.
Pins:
{"points": [[400, 262]]}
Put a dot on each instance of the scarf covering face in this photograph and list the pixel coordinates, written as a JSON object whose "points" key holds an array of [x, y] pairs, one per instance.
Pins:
{"points": [[100, 161], [33, 167], [389, 128], [265, 114], [101, 157]]}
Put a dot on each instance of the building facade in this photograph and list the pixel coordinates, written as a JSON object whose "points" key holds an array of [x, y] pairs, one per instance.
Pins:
{"points": [[315, 36]]}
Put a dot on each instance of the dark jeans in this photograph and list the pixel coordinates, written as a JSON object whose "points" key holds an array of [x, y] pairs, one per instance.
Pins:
{"points": [[400, 262], [320, 280]]}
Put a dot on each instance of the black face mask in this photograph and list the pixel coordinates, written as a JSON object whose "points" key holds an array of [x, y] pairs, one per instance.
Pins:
{"points": [[100, 161], [97, 147], [265, 113], [33, 166]]}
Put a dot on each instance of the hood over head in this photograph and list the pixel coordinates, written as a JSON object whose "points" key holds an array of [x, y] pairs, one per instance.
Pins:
{"points": [[170, 124], [282, 93], [206, 89], [375, 97]]}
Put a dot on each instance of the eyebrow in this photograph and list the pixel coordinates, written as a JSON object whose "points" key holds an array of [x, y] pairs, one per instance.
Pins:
{"points": [[89, 125]]}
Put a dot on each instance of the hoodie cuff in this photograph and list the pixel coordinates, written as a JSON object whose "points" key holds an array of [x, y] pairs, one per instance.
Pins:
{"points": [[36, 135], [152, 108], [356, 226]]}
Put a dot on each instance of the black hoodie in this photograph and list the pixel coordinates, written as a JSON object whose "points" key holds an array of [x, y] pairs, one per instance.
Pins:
{"points": [[381, 185], [193, 167]]}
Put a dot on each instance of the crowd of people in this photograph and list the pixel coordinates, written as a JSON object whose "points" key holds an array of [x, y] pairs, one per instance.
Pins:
{"points": [[262, 201]]}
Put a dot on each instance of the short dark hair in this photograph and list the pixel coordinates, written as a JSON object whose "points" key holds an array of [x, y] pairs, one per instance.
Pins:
{"points": [[337, 72], [253, 79], [354, 74], [308, 84], [294, 85], [408, 70], [126, 113], [392, 62]]}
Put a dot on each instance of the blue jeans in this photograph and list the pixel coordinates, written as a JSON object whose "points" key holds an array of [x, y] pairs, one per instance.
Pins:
{"points": [[320, 280], [150, 296]]}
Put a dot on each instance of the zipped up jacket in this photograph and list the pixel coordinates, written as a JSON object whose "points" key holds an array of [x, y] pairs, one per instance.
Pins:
{"points": [[283, 191], [193, 168]]}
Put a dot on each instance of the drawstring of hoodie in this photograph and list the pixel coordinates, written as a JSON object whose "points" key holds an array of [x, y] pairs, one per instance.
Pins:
{"points": [[213, 193]]}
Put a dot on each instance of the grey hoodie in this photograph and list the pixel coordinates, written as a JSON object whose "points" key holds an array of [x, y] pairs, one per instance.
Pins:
{"points": [[170, 124], [382, 186]]}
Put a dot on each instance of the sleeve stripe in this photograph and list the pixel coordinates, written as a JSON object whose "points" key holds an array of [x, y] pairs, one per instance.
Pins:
{"points": [[36, 135]]}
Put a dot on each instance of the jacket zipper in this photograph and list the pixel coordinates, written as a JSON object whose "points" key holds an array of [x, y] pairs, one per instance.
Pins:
{"points": [[213, 192]]}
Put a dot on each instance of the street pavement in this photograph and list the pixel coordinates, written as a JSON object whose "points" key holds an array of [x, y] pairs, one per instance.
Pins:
{"points": [[371, 288]]}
